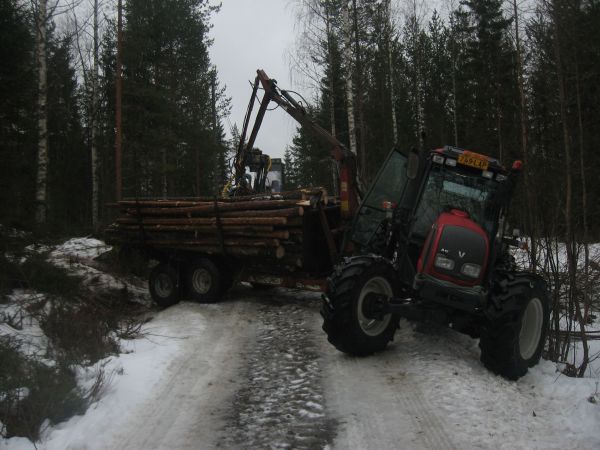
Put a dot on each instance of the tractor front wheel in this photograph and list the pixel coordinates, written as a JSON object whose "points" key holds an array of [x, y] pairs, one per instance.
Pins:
{"points": [[350, 309], [512, 344]]}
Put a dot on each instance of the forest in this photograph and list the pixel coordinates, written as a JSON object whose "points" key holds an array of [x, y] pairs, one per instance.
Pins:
{"points": [[58, 107], [514, 80]]}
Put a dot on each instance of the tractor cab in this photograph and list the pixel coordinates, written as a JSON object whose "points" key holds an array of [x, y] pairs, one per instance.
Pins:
{"points": [[439, 211]]}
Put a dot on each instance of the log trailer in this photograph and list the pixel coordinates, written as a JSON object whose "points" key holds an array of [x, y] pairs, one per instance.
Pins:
{"points": [[426, 242]]}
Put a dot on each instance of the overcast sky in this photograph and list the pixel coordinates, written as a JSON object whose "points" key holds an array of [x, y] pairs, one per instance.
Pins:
{"points": [[250, 35]]}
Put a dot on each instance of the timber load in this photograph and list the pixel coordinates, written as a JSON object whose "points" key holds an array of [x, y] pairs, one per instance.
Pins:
{"points": [[295, 229]]}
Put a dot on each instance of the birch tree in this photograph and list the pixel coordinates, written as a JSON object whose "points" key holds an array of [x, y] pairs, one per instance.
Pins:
{"points": [[389, 37], [43, 12], [41, 20], [94, 122], [88, 52], [348, 68]]}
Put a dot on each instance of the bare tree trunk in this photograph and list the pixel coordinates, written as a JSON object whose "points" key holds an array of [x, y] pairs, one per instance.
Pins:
{"points": [[118, 109], [389, 38], [164, 183], [221, 162], [348, 67], [524, 142], [454, 56], [569, 235], [499, 125], [94, 124], [419, 111], [359, 92], [42, 113], [587, 295], [334, 164]]}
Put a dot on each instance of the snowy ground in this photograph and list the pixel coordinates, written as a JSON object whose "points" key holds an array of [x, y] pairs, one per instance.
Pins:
{"points": [[256, 371]]}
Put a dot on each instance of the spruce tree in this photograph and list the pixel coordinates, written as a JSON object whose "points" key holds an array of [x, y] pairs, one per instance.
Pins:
{"points": [[168, 113], [17, 125]]}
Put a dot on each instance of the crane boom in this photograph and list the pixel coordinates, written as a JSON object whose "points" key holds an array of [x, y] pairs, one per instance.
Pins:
{"points": [[349, 187]]}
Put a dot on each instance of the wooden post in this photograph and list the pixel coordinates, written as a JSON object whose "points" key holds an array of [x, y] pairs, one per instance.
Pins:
{"points": [[119, 94]]}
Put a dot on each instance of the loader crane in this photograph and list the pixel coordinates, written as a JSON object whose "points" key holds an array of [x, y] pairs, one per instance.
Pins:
{"points": [[246, 155]]}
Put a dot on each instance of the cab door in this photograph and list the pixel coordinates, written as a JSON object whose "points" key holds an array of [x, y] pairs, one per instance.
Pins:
{"points": [[388, 186]]}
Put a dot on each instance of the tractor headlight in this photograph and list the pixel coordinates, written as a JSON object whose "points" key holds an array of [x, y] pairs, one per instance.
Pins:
{"points": [[451, 162], [442, 262], [471, 270]]}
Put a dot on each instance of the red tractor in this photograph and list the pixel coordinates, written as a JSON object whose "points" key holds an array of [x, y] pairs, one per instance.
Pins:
{"points": [[428, 244]]}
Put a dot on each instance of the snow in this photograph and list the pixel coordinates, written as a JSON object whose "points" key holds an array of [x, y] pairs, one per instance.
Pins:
{"points": [[132, 377], [19, 325], [256, 371], [76, 255], [557, 251], [430, 390], [80, 248]]}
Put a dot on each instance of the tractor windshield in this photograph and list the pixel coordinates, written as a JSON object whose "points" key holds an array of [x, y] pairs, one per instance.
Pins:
{"points": [[455, 189]]}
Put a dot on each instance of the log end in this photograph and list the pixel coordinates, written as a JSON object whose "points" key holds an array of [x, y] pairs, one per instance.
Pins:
{"points": [[280, 252]]}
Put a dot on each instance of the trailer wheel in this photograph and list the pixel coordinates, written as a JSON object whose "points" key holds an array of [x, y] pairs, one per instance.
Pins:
{"points": [[512, 344], [347, 320], [204, 281], [164, 285]]}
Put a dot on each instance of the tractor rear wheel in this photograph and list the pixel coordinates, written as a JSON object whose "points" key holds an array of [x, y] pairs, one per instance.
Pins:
{"points": [[512, 344], [349, 312]]}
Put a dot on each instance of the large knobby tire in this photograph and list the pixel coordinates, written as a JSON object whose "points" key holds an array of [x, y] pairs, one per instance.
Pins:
{"points": [[348, 328], [204, 281], [512, 344], [163, 284]]}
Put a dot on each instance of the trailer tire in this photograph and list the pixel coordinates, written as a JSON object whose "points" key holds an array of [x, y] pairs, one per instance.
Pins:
{"points": [[163, 284], [204, 281], [348, 327], [513, 343]]}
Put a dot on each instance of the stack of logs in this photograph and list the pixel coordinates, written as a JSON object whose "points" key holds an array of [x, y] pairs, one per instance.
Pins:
{"points": [[269, 226]]}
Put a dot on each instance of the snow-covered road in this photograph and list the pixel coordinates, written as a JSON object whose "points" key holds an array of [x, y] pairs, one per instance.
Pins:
{"points": [[256, 371]]}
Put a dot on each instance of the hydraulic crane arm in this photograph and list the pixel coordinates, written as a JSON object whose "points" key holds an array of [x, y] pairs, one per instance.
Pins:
{"points": [[349, 190]]}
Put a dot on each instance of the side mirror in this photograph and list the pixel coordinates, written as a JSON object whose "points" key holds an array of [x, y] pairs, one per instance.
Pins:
{"points": [[412, 165]]}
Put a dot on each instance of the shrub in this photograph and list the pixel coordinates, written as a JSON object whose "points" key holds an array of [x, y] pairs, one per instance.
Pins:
{"points": [[33, 392]]}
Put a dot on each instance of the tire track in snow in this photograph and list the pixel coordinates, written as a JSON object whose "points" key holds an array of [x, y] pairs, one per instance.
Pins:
{"points": [[485, 410], [379, 402], [188, 403], [433, 430], [281, 403]]}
